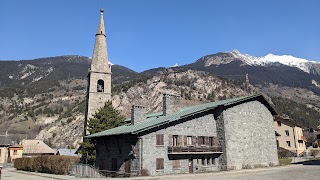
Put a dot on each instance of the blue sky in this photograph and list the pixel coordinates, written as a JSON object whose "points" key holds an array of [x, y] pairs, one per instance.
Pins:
{"points": [[143, 34]]}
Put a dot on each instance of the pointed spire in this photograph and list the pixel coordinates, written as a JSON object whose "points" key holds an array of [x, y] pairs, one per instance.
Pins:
{"points": [[100, 62], [101, 30]]}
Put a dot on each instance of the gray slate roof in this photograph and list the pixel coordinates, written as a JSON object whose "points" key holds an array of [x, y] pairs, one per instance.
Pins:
{"points": [[66, 152], [5, 141], [155, 121]]}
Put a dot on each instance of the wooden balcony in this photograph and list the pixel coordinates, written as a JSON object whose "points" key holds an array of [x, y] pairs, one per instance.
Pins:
{"points": [[194, 150]]}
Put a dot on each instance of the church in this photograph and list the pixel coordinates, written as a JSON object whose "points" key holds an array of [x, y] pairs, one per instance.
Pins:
{"points": [[223, 135]]}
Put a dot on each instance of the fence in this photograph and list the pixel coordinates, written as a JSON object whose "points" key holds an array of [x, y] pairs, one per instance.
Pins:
{"points": [[85, 170]]}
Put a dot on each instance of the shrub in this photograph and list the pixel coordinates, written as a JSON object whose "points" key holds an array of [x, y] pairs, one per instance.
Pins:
{"points": [[284, 161], [144, 172], [282, 152], [314, 152], [46, 164], [246, 166]]}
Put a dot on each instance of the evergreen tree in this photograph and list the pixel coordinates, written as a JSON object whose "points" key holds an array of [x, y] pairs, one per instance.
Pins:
{"points": [[105, 118]]}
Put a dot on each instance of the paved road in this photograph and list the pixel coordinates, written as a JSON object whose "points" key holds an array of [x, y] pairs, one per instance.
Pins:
{"points": [[11, 174], [291, 172]]}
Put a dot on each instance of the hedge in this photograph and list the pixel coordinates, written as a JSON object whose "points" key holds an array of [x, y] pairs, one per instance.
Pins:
{"points": [[46, 164]]}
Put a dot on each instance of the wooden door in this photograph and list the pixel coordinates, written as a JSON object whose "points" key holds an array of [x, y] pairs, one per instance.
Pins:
{"points": [[127, 166], [114, 164]]}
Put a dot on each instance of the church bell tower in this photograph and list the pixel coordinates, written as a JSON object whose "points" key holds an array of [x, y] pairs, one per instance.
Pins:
{"points": [[99, 76]]}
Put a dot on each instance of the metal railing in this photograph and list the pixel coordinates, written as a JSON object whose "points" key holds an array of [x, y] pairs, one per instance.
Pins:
{"points": [[193, 149]]}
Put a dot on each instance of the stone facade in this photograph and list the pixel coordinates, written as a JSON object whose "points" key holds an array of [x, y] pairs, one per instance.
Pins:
{"points": [[247, 136], [244, 131], [99, 77], [199, 126]]}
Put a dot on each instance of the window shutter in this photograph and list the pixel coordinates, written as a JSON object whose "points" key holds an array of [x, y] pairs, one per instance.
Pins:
{"points": [[162, 142], [179, 140], [194, 140], [170, 140], [185, 140], [159, 163], [157, 139], [207, 141], [199, 140], [176, 163]]}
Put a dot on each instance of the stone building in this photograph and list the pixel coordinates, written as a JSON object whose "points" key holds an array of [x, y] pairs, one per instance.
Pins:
{"points": [[99, 76], [230, 134]]}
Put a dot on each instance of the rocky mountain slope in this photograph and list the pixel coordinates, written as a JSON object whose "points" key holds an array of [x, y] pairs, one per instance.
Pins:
{"points": [[45, 98]]}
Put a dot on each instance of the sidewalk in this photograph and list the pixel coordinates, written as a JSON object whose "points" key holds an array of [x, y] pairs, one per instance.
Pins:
{"points": [[45, 175]]}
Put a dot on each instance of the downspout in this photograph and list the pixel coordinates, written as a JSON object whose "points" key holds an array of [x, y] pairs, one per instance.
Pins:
{"points": [[140, 154]]}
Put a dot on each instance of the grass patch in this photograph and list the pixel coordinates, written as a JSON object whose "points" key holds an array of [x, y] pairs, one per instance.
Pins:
{"points": [[284, 161]]}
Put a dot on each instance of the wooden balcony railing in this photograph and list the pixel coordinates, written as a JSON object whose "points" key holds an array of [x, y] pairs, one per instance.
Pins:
{"points": [[194, 149]]}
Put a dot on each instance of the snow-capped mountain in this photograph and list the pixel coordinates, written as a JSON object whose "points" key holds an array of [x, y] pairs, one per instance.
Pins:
{"points": [[303, 64]]}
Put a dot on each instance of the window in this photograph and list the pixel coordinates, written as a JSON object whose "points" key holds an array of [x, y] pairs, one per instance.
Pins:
{"points": [[210, 141], [213, 161], [203, 161], [100, 86], [201, 140], [159, 164], [287, 132], [279, 123], [15, 152], [189, 140], [288, 143], [159, 139], [208, 161], [0, 152], [175, 164], [175, 140]]}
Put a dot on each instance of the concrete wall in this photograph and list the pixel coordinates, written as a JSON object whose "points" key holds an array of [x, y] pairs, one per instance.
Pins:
{"points": [[14, 155], [300, 140], [3, 154], [248, 137], [201, 126]]}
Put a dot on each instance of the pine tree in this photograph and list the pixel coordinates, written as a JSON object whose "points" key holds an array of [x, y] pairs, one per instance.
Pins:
{"points": [[105, 118]]}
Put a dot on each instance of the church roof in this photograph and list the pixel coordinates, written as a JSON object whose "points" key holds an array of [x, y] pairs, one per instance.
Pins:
{"points": [[101, 29], [156, 121]]}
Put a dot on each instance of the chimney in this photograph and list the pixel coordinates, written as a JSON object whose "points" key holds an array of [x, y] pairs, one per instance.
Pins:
{"points": [[169, 104], [138, 114]]}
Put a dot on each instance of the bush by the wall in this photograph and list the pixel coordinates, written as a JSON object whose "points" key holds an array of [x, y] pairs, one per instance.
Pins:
{"points": [[46, 164]]}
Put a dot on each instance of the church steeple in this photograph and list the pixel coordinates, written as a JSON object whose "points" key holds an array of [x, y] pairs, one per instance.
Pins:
{"points": [[101, 30], [99, 77], [100, 62]]}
